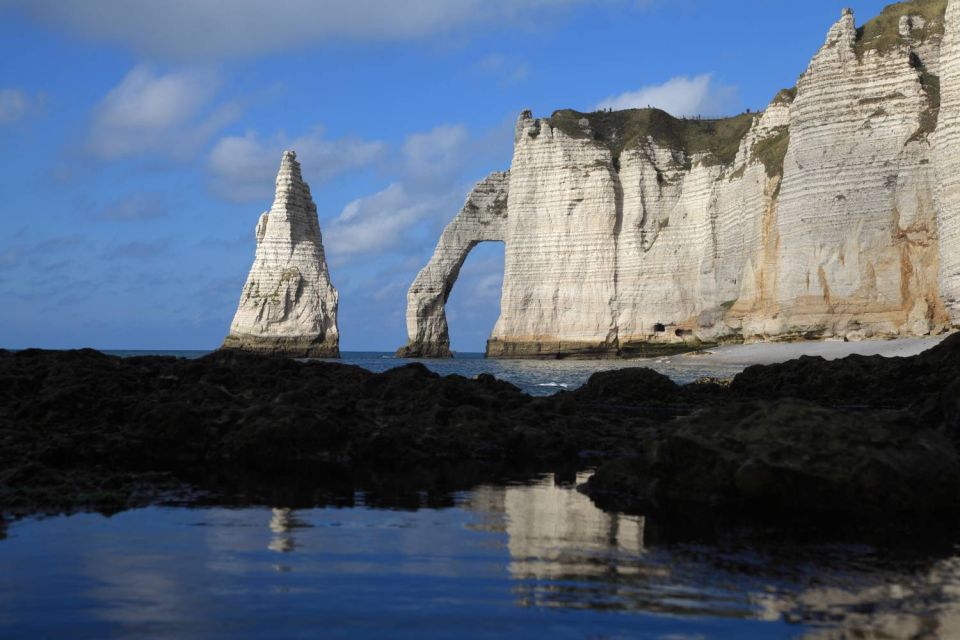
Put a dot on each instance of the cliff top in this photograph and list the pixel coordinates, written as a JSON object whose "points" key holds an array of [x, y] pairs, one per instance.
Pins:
{"points": [[883, 32], [719, 138], [913, 21]]}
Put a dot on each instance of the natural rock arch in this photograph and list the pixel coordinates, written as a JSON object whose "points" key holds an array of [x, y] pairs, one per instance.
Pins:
{"points": [[483, 218]]}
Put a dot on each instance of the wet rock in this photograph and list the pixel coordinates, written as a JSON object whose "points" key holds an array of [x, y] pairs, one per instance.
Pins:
{"points": [[848, 437], [628, 386], [873, 381], [70, 420], [789, 458]]}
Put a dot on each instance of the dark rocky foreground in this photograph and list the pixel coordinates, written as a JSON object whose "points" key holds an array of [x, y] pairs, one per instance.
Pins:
{"points": [[862, 437]]}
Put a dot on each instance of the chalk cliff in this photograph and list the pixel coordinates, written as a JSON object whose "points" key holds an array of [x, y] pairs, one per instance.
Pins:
{"points": [[948, 164], [635, 232], [288, 305]]}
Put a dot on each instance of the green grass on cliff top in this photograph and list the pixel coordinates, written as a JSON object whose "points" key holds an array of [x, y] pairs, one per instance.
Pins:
{"points": [[720, 138], [883, 32], [618, 130]]}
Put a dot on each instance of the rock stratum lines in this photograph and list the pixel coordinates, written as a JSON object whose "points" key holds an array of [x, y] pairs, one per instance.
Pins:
{"points": [[835, 213], [288, 305]]}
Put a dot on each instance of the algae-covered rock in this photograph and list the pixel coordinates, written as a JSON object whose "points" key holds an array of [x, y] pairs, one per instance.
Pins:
{"points": [[789, 458]]}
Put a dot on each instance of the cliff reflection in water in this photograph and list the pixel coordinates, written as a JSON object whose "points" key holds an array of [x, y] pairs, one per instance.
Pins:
{"points": [[565, 552], [499, 561], [282, 524], [553, 530]]}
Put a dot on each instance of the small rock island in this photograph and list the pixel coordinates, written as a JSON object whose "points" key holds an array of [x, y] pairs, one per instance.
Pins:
{"points": [[288, 305]]}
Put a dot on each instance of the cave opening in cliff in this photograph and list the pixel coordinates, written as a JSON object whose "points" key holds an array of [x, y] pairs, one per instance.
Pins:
{"points": [[474, 303], [659, 328]]}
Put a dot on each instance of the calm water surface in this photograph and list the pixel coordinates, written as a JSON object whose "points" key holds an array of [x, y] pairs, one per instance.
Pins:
{"points": [[525, 561], [536, 377]]}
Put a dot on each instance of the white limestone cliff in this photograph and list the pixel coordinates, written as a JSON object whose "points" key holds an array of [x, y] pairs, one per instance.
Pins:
{"points": [[557, 293], [288, 305], [948, 163], [856, 215], [634, 232]]}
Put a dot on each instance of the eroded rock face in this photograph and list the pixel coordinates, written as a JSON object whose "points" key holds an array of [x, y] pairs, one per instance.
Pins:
{"points": [[560, 254], [856, 216], [948, 163], [815, 219], [482, 218], [288, 305]]}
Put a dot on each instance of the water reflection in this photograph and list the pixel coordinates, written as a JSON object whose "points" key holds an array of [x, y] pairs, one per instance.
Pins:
{"points": [[503, 561], [553, 530], [283, 523], [889, 605], [564, 552]]}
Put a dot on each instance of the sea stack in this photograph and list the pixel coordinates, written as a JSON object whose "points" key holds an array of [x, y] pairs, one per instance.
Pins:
{"points": [[288, 306]]}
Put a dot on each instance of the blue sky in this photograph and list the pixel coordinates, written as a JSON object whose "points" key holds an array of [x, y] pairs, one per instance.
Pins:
{"points": [[139, 140]]}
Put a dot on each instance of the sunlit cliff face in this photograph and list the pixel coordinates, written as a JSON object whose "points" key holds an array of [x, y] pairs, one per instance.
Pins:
{"points": [[830, 215]]}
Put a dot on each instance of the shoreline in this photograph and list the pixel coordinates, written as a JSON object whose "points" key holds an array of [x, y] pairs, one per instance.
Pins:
{"points": [[744, 353]]}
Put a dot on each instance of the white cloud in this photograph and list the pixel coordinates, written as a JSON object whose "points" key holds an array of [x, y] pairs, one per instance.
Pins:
{"points": [[680, 96], [243, 167], [428, 185], [433, 178], [151, 112], [437, 154], [383, 221], [14, 104], [217, 28]]}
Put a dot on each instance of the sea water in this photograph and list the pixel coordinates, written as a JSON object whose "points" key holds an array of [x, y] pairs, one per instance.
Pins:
{"points": [[523, 560], [536, 377]]}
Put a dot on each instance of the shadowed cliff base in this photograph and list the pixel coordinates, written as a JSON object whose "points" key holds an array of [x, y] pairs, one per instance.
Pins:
{"points": [[292, 347], [862, 437], [561, 350], [550, 349], [425, 350]]}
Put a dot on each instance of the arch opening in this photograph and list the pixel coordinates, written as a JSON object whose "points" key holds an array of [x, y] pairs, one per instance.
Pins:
{"points": [[473, 304], [482, 219]]}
